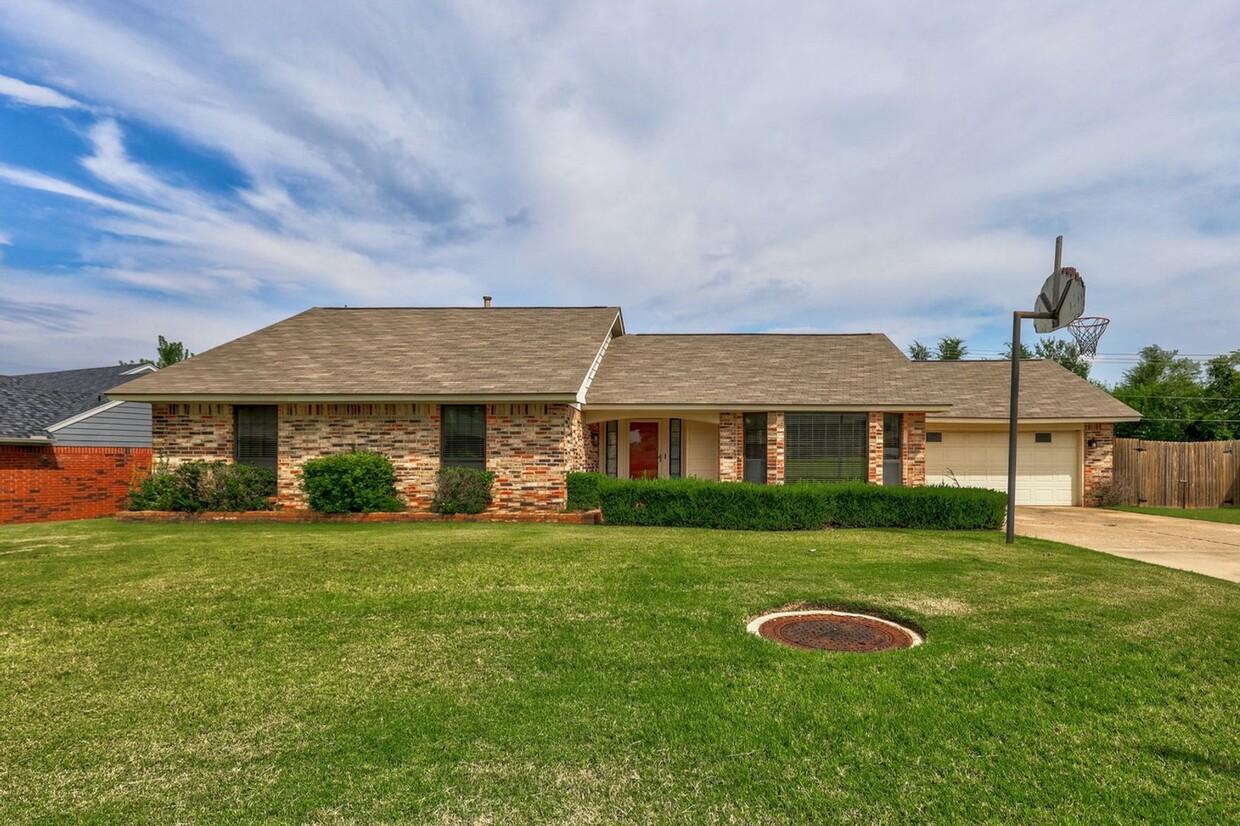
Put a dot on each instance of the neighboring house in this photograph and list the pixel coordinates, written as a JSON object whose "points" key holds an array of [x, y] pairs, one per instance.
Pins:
{"points": [[533, 394], [68, 407], [66, 450]]}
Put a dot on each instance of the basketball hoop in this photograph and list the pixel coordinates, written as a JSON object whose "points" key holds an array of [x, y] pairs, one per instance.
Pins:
{"points": [[1087, 330]]}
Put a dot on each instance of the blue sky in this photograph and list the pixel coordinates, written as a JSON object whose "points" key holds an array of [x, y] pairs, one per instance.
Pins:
{"points": [[202, 170]]}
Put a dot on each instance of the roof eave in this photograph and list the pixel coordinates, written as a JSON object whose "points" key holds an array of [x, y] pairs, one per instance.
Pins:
{"points": [[343, 398]]}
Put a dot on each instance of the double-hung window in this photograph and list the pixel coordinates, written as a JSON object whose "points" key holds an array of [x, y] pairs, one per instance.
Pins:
{"points": [[464, 436], [256, 435], [826, 447]]}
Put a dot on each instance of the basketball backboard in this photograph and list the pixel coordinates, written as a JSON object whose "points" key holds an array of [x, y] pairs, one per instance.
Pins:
{"points": [[1063, 295]]}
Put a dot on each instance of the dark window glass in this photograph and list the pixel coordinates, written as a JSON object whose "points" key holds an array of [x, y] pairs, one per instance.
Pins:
{"points": [[611, 448], [755, 448], [934, 436], [1043, 438], [256, 441], [893, 423], [464, 435], [675, 450], [826, 447]]}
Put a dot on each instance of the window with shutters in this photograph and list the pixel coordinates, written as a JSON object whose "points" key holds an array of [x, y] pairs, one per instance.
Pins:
{"points": [[463, 436], [755, 448], [826, 447], [255, 435]]}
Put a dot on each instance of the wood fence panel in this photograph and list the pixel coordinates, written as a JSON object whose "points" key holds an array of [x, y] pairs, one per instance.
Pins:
{"points": [[1177, 474]]}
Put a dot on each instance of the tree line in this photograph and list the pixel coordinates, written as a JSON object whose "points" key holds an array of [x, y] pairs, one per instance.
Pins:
{"points": [[1181, 400]]}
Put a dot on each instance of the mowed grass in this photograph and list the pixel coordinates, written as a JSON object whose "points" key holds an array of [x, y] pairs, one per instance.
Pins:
{"points": [[1229, 515], [561, 674]]}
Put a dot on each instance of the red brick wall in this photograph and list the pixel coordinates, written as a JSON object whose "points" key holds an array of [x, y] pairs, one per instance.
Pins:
{"points": [[875, 421], [913, 454], [1099, 460], [731, 447], [530, 449], [408, 434], [775, 433], [184, 432], [48, 484]]}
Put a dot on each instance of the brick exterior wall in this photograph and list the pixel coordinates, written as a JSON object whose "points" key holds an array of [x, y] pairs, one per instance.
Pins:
{"points": [[184, 432], [594, 438], [775, 434], [731, 447], [48, 484], [408, 434], [530, 449], [875, 472], [1098, 460], [913, 450]]}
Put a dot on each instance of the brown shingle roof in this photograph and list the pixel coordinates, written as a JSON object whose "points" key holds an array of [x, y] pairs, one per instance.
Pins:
{"points": [[761, 369], [981, 390], [378, 352]]}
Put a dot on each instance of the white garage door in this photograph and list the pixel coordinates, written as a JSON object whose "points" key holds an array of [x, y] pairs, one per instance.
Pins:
{"points": [[1047, 472]]}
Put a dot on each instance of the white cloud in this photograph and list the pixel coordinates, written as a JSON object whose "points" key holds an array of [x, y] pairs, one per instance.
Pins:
{"points": [[900, 167], [32, 95]]}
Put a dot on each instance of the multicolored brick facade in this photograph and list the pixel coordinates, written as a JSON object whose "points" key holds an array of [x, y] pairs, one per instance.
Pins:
{"points": [[1099, 460], [775, 436], [530, 447], [731, 447], [913, 449], [42, 483]]}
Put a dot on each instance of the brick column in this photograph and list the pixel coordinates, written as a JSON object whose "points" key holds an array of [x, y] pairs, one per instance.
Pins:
{"points": [[775, 447], [875, 474], [913, 449], [731, 447], [1098, 460]]}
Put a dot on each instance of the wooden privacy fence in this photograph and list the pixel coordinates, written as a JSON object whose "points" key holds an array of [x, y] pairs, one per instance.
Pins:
{"points": [[1177, 474]]}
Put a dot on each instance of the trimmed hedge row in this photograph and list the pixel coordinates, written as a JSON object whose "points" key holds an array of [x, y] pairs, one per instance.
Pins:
{"points": [[583, 490], [806, 506]]}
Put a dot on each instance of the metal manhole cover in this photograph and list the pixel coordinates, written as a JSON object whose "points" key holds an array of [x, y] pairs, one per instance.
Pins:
{"points": [[834, 631]]}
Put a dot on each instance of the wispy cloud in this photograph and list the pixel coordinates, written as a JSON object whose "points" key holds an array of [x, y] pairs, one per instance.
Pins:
{"points": [[31, 95], [899, 167]]}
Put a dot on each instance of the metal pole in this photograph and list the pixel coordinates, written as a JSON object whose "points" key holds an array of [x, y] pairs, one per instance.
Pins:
{"points": [[1013, 419]]}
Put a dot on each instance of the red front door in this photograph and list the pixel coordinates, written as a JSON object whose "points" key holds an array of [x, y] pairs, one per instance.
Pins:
{"points": [[643, 450]]}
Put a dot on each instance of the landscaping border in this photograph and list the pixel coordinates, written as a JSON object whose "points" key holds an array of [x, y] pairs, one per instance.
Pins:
{"points": [[302, 516]]}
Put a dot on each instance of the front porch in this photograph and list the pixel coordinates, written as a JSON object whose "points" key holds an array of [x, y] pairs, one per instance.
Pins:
{"points": [[761, 446]]}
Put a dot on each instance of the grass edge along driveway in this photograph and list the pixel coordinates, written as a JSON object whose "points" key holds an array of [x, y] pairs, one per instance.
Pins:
{"points": [[563, 674], [1225, 515]]}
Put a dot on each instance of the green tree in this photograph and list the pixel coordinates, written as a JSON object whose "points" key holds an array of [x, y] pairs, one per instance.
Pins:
{"points": [[1220, 417], [1163, 387], [918, 351], [1025, 352], [169, 352], [951, 348]]}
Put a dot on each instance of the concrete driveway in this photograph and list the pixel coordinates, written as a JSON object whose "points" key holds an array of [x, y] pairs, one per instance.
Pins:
{"points": [[1209, 548]]}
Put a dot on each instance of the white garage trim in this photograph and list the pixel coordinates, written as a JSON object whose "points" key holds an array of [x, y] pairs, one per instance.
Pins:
{"points": [[1047, 473]]}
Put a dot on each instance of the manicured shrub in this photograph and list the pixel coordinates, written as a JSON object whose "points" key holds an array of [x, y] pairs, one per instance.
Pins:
{"points": [[807, 506], [356, 482], [463, 490], [199, 486], [583, 491]]}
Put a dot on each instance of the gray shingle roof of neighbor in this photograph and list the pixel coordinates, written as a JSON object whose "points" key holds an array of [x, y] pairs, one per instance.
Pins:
{"points": [[31, 402], [763, 369], [982, 389], [391, 351]]}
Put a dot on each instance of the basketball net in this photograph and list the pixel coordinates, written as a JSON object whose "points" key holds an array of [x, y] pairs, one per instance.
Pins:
{"points": [[1087, 330]]}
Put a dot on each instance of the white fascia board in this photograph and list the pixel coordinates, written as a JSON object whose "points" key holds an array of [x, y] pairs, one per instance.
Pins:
{"points": [[764, 408], [94, 411], [594, 365], [1028, 420], [141, 368], [25, 440]]}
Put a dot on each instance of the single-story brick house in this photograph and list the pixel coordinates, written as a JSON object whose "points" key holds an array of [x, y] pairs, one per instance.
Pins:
{"points": [[534, 393]]}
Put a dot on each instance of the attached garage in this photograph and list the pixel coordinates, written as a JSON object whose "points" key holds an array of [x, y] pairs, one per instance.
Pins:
{"points": [[1048, 462]]}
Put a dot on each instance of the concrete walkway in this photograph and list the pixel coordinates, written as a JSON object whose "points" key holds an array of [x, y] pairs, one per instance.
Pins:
{"points": [[1210, 548]]}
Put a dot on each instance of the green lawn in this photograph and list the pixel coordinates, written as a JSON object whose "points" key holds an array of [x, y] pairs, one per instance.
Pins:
{"points": [[479, 673], [1231, 515]]}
